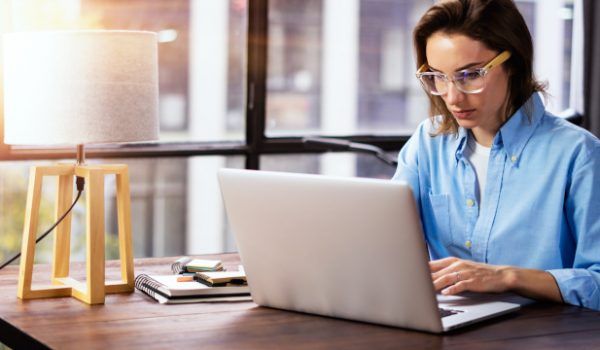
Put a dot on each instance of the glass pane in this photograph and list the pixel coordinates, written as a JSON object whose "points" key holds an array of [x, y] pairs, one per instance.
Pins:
{"points": [[343, 67], [551, 26], [176, 208], [202, 54]]}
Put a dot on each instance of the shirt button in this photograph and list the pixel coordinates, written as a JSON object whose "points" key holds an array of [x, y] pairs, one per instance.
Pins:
{"points": [[514, 158], [468, 244], [470, 203]]}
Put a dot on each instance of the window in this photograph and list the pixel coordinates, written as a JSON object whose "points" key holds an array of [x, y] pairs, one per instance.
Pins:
{"points": [[340, 68]]}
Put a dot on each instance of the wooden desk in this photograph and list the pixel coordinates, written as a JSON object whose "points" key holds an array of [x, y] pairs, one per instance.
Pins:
{"points": [[129, 321]]}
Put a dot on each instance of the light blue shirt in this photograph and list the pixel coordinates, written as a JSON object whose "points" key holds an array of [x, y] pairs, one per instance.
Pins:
{"points": [[541, 206]]}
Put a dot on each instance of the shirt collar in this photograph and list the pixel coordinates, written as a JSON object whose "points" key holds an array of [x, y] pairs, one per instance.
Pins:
{"points": [[461, 143], [517, 131], [514, 134]]}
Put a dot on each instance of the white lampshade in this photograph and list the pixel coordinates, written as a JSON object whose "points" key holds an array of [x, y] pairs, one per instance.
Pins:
{"points": [[80, 87]]}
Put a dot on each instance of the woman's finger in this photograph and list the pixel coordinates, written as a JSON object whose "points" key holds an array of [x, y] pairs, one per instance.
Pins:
{"points": [[436, 265], [457, 288], [448, 279]]}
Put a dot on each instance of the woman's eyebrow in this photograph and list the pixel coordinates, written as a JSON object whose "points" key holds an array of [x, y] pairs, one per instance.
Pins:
{"points": [[466, 66]]}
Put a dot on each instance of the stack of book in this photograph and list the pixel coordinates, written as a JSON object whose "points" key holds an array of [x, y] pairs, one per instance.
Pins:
{"points": [[188, 287], [222, 278]]}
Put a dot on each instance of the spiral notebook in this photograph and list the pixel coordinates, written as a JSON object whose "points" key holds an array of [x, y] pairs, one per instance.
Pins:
{"points": [[167, 290]]}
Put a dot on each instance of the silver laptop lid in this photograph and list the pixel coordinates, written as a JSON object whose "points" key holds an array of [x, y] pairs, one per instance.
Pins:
{"points": [[343, 247]]}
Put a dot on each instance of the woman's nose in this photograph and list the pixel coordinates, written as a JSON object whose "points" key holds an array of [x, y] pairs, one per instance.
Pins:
{"points": [[454, 95]]}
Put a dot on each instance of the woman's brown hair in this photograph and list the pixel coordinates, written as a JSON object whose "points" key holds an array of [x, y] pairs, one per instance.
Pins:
{"points": [[498, 24]]}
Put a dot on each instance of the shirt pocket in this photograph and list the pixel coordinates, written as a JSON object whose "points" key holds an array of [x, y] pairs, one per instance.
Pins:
{"points": [[440, 219]]}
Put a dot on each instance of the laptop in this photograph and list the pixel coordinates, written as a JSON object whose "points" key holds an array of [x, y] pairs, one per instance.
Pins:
{"points": [[350, 248]]}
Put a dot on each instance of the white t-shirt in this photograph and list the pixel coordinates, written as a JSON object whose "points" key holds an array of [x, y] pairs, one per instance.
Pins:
{"points": [[479, 157]]}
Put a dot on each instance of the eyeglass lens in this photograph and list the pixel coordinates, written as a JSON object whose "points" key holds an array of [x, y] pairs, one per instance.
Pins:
{"points": [[465, 81]]}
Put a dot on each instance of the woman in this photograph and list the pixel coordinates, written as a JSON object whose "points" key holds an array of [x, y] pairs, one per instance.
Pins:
{"points": [[507, 192]]}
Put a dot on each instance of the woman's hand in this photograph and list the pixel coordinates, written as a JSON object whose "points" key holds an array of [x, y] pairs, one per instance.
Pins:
{"points": [[454, 275]]}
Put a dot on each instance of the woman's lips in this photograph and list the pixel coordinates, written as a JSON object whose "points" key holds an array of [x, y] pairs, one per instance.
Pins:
{"points": [[463, 113]]}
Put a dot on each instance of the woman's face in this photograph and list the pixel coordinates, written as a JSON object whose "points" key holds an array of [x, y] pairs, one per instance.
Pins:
{"points": [[481, 112]]}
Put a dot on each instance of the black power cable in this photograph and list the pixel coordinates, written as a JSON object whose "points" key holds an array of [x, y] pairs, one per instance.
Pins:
{"points": [[331, 144], [80, 182]]}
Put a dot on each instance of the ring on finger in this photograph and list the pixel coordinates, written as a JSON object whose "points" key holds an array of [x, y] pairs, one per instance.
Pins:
{"points": [[457, 277]]}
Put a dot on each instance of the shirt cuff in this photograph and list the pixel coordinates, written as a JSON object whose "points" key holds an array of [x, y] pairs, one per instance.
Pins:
{"points": [[578, 287]]}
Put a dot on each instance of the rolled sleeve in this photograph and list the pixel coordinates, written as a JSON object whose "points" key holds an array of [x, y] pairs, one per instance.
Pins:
{"points": [[578, 286]]}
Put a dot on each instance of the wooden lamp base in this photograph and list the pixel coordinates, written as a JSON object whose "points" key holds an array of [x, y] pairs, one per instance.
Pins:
{"points": [[94, 289]]}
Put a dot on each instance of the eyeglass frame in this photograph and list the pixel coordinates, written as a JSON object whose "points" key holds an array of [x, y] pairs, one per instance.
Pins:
{"points": [[483, 71]]}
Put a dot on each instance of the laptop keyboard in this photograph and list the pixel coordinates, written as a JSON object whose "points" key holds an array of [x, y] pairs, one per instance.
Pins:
{"points": [[448, 312]]}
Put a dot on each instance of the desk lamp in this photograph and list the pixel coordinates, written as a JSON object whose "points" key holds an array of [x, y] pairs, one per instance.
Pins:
{"points": [[76, 88]]}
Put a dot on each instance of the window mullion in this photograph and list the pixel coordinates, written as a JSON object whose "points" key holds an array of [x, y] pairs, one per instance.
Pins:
{"points": [[256, 86]]}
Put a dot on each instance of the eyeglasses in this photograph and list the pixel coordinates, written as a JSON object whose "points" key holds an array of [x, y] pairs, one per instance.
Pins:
{"points": [[469, 81]]}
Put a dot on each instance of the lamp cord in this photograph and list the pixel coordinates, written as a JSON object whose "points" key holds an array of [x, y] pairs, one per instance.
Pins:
{"points": [[80, 182]]}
